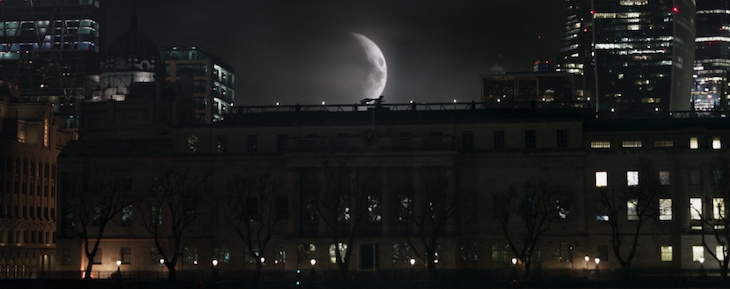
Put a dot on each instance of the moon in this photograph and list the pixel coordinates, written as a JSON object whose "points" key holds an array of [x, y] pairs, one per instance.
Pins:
{"points": [[375, 83]]}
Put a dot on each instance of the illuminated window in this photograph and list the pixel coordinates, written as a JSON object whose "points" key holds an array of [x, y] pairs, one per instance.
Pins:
{"points": [[720, 252], [663, 143], [601, 179], [46, 136], [333, 254], [222, 254], [666, 253], [192, 143], [693, 143], [631, 210], [718, 208], [631, 144], [632, 178], [697, 253], [600, 144], [664, 178], [695, 208], [665, 209], [716, 144], [499, 252]]}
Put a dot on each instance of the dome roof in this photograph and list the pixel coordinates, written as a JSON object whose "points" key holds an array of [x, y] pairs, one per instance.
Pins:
{"points": [[131, 49]]}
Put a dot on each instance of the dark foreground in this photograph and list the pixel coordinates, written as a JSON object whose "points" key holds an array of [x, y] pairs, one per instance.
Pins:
{"points": [[453, 283]]}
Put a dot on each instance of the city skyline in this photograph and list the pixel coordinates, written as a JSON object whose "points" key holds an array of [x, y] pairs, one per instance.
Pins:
{"points": [[291, 51]]}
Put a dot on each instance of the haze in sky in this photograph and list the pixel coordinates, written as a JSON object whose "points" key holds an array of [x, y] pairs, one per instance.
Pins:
{"points": [[302, 51]]}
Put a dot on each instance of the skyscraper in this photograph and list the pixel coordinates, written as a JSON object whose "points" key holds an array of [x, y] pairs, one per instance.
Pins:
{"points": [[575, 54], [644, 55], [712, 57], [47, 48]]}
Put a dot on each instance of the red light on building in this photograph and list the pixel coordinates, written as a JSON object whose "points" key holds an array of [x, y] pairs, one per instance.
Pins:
{"points": [[593, 12], [675, 10]]}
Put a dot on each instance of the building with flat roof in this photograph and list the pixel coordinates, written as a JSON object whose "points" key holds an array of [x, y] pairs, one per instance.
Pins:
{"points": [[48, 48], [324, 179], [712, 63], [213, 80]]}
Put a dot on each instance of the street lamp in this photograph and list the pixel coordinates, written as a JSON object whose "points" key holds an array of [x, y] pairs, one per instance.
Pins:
{"points": [[262, 260], [215, 263], [587, 259], [598, 260], [514, 261], [313, 261], [214, 271], [162, 263], [702, 268], [119, 271], [412, 261]]}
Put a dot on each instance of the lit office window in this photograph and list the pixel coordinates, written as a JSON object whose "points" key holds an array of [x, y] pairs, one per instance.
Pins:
{"points": [[695, 208], [600, 144], [665, 209], [601, 179], [664, 178], [693, 144], [631, 210], [663, 143], [716, 144], [632, 178], [631, 144], [720, 252], [697, 253], [666, 253], [718, 208]]}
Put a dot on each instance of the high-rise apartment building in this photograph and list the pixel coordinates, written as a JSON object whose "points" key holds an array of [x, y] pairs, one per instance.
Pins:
{"points": [[644, 56], [712, 55], [575, 54], [47, 48], [213, 80]]}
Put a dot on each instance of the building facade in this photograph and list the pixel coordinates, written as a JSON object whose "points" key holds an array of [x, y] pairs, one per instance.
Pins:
{"points": [[644, 56], [576, 51], [32, 139], [712, 61], [405, 156], [48, 48], [213, 80]]}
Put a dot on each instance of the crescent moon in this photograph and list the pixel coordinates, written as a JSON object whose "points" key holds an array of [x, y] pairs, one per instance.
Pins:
{"points": [[378, 75]]}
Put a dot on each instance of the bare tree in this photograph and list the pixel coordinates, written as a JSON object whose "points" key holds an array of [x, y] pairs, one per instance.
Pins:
{"points": [[639, 201], [340, 199], [718, 225], [92, 206], [533, 206], [432, 219], [177, 195], [256, 207]]}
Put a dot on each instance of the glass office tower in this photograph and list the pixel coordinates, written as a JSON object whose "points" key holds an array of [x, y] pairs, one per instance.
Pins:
{"points": [[644, 56], [48, 47], [575, 54], [712, 63]]}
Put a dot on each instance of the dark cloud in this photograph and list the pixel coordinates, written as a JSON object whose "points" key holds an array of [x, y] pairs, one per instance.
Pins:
{"points": [[301, 52]]}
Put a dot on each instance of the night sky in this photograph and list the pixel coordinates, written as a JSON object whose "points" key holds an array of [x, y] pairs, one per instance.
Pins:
{"points": [[302, 51]]}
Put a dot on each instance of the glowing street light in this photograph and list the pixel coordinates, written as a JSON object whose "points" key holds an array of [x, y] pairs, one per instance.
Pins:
{"points": [[514, 261], [323, 102], [587, 259], [215, 263], [412, 261], [313, 262], [598, 260], [262, 260]]}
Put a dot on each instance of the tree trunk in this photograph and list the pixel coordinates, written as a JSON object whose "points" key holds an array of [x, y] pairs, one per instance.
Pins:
{"points": [[89, 265], [527, 269], [259, 266], [172, 273], [723, 272]]}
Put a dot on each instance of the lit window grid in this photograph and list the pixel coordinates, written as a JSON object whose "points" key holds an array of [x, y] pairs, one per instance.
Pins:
{"points": [[601, 179], [632, 178], [697, 253], [695, 208], [666, 253], [718, 208], [665, 209]]}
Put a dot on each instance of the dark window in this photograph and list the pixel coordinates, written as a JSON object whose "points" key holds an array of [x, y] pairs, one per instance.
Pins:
{"points": [[222, 143], [97, 216], [252, 211], [282, 141], [562, 137], [499, 139], [467, 140], [126, 185], [252, 143], [530, 139], [127, 215], [126, 254], [66, 255], [282, 208]]}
